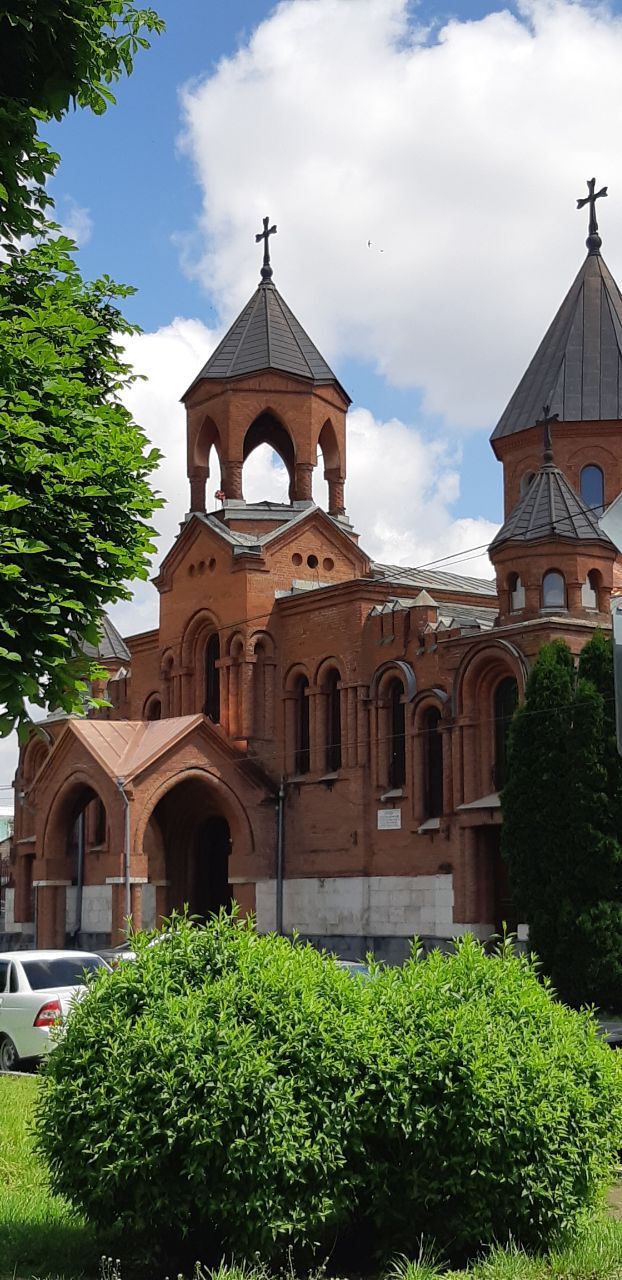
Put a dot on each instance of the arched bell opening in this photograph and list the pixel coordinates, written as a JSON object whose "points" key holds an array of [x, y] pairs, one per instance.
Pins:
{"points": [[267, 430]]}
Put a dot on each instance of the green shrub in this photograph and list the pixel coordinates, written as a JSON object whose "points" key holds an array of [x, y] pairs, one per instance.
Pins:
{"points": [[237, 1095]]}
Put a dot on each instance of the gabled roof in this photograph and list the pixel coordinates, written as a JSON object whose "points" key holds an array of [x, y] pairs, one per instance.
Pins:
{"points": [[267, 335], [577, 369], [433, 578], [550, 508]]}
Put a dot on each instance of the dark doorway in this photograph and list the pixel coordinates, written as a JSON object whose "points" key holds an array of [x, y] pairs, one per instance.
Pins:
{"points": [[504, 910], [209, 870]]}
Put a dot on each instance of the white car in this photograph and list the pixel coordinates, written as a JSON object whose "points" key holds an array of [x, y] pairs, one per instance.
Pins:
{"points": [[36, 990]]}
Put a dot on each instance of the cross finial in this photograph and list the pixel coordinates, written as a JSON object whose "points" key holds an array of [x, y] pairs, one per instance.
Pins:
{"points": [[593, 241], [545, 421], [266, 270]]}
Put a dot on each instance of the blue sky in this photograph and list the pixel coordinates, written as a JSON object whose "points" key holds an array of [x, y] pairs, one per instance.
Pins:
{"points": [[423, 166]]}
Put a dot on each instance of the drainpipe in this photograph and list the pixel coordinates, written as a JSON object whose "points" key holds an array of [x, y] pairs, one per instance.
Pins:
{"points": [[80, 884], [126, 850], [280, 817]]}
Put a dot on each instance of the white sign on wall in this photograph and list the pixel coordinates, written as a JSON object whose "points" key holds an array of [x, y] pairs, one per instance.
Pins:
{"points": [[389, 819]]}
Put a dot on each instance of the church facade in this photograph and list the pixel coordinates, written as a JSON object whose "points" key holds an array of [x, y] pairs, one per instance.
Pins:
{"points": [[317, 736]]}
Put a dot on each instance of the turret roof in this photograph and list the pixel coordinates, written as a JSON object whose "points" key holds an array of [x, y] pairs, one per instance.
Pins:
{"points": [[577, 369], [267, 335], [550, 508]]}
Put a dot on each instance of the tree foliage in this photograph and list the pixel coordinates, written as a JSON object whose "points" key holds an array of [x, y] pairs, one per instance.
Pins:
{"points": [[561, 821], [74, 495], [55, 53], [237, 1095]]}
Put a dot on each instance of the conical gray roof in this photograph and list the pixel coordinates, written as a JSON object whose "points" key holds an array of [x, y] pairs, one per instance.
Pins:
{"points": [[577, 369], [111, 645], [550, 509], [267, 335]]}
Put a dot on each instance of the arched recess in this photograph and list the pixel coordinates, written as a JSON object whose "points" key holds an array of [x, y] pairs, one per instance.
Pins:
{"points": [[35, 755], [334, 467], [268, 429], [77, 824], [167, 670], [261, 653], [591, 591], [152, 709], [200, 627], [194, 832], [330, 714], [199, 462], [297, 720], [473, 702], [429, 741]]}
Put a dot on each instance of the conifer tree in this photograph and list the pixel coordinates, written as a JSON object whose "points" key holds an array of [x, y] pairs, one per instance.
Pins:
{"points": [[535, 800]]}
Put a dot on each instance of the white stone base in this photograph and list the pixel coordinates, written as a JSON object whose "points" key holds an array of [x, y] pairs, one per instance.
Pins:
{"points": [[96, 908], [369, 906]]}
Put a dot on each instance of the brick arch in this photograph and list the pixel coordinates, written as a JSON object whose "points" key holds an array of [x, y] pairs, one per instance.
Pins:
{"points": [[225, 799], [200, 625], [384, 673], [325, 666], [269, 428], [264, 638], [71, 797], [291, 676], [334, 467], [199, 450], [35, 755], [481, 668]]}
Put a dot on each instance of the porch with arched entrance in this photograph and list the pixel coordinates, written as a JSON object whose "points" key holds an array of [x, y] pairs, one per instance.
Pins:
{"points": [[190, 840]]}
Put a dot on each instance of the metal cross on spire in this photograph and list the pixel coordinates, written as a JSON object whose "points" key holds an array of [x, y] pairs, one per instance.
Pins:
{"points": [[266, 270], [545, 421], [593, 241]]}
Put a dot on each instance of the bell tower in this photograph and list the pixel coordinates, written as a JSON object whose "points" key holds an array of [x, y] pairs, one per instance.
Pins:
{"points": [[266, 382]]}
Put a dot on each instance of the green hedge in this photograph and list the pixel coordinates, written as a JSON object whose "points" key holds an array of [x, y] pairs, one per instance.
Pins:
{"points": [[243, 1095]]}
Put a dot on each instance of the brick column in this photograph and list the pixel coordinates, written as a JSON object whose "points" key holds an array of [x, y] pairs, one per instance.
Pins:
{"points": [[303, 482], [136, 897], [51, 913], [336, 497], [232, 480], [317, 757], [362, 726], [197, 492]]}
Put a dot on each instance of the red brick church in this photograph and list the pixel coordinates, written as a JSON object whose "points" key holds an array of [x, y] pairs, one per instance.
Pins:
{"points": [[320, 737]]}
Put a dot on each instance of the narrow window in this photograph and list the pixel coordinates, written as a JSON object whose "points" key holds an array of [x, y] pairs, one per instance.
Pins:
{"points": [[259, 691], [517, 593], [302, 754], [589, 591], [153, 709], [212, 679], [100, 823], [505, 702], [553, 590], [433, 762], [525, 482], [397, 735], [333, 722], [593, 489]]}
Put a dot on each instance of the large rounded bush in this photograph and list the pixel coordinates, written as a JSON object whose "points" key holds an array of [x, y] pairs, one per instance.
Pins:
{"points": [[237, 1094]]}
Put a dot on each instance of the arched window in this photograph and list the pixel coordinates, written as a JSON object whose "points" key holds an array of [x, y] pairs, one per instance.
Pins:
{"points": [[99, 833], [211, 707], [505, 702], [153, 709], [433, 762], [593, 488], [516, 593], [589, 590], [333, 721], [397, 735], [553, 590], [259, 691], [302, 753], [526, 480]]}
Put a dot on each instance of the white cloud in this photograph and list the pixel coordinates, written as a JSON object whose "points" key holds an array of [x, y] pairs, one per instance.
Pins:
{"points": [[458, 153], [75, 221]]}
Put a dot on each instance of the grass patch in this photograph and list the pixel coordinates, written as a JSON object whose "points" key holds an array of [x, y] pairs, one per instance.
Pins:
{"points": [[594, 1253], [40, 1235]]}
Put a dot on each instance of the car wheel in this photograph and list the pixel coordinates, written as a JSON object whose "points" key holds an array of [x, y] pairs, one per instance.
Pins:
{"points": [[9, 1058]]}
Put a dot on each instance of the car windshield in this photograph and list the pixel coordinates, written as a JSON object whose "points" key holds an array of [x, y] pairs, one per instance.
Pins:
{"points": [[61, 971]]}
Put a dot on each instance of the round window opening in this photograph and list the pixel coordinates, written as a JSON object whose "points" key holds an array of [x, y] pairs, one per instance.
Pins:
{"points": [[312, 562], [328, 564], [211, 564], [296, 558]]}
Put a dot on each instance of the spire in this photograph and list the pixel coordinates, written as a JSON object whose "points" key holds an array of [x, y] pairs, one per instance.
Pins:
{"points": [[266, 270], [577, 369], [593, 242]]}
